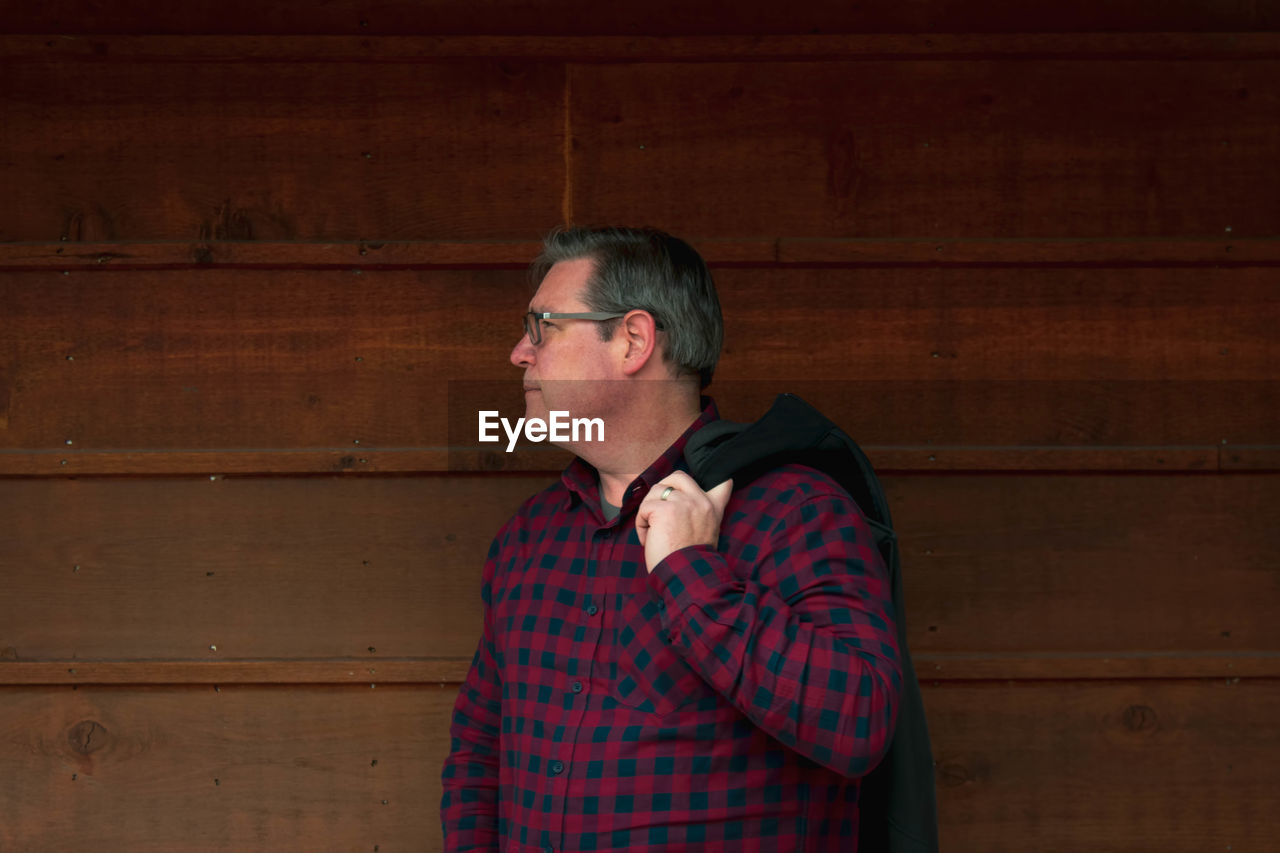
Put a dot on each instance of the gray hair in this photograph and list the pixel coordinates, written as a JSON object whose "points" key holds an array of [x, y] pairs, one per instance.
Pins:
{"points": [[648, 269]]}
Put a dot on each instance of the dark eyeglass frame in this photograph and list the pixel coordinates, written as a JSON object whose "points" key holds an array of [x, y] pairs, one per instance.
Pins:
{"points": [[534, 331]]}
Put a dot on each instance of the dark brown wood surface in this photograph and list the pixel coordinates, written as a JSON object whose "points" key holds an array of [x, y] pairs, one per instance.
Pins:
{"points": [[368, 569], [1115, 767], [910, 149], [280, 151], [226, 768], [1148, 252], [260, 265], [291, 150], [400, 360], [1030, 765], [659, 17]]}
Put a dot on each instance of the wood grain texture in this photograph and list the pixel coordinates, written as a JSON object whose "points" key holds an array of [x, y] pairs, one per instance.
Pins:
{"points": [[1247, 458], [410, 254], [309, 568], [593, 49], [232, 769], [263, 254], [1038, 567], [343, 362], [540, 459], [1031, 252], [658, 17], [1001, 324], [288, 239], [1040, 765], [286, 360], [920, 149], [365, 671], [293, 151], [935, 668], [1105, 766], [1088, 564], [304, 150]]}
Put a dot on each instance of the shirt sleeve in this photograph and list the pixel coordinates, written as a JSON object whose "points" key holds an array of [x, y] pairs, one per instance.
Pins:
{"points": [[469, 807], [798, 633]]}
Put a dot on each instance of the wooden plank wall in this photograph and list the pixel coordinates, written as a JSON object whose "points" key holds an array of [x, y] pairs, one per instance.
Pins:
{"points": [[258, 261]]}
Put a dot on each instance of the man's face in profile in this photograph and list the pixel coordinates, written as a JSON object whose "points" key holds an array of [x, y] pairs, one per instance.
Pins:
{"points": [[569, 368]]}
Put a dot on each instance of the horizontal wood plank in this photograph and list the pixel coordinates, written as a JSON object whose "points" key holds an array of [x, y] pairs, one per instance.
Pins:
{"points": [[1107, 767], [950, 148], [309, 151], [235, 140], [1051, 576], [656, 17], [231, 769], [370, 670], [1247, 458], [410, 254], [262, 254], [1102, 666], [539, 459], [248, 568], [1074, 564], [1097, 251], [631, 47], [930, 668], [247, 768], [970, 366], [1008, 324], [254, 361]]}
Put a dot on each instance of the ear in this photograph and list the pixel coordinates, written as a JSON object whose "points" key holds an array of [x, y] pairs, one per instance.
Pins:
{"points": [[639, 334]]}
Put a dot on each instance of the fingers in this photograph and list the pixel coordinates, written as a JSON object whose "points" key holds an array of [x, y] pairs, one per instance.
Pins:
{"points": [[679, 487], [687, 516], [683, 488], [680, 481], [646, 509], [683, 496], [719, 496]]}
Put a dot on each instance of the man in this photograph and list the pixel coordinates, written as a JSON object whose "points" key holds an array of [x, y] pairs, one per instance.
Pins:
{"points": [[663, 668]]}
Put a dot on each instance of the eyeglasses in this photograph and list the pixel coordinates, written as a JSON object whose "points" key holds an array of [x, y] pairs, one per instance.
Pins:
{"points": [[534, 330]]}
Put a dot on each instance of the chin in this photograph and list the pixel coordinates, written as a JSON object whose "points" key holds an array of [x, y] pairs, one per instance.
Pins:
{"points": [[534, 406]]}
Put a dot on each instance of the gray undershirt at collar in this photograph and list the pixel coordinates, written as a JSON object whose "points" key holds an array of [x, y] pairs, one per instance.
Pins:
{"points": [[607, 509]]}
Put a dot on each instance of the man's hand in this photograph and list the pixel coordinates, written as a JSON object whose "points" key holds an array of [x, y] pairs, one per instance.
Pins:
{"points": [[686, 516]]}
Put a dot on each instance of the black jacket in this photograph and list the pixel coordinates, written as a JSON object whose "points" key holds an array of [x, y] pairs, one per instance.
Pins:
{"points": [[897, 800]]}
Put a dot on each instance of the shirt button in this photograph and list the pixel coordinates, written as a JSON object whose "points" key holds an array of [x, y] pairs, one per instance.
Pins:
{"points": [[577, 687], [592, 610], [557, 767]]}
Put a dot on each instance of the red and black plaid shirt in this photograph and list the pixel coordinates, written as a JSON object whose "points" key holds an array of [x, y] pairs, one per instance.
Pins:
{"points": [[730, 700]]}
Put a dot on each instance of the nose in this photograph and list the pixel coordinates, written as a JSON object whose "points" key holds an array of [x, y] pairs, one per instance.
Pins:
{"points": [[522, 355]]}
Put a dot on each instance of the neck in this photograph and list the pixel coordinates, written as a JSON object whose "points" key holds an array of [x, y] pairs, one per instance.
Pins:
{"points": [[637, 439]]}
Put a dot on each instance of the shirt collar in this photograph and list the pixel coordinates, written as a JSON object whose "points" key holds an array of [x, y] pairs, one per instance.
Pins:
{"points": [[583, 481]]}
